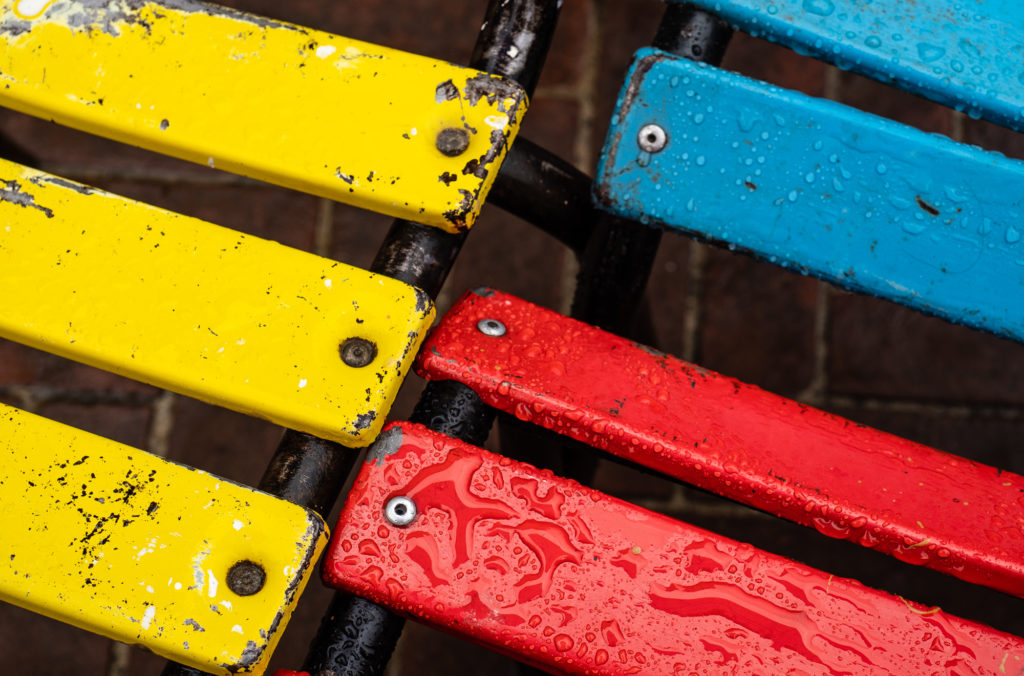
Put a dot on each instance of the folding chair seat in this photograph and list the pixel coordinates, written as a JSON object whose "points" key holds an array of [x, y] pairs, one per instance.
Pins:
{"points": [[847, 481], [822, 188], [573, 581], [400, 134], [186, 305], [173, 301], [123, 543]]}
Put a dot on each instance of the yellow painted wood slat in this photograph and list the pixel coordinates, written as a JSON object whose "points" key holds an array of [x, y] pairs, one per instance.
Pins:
{"points": [[231, 319], [123, 543], [290, 105]]}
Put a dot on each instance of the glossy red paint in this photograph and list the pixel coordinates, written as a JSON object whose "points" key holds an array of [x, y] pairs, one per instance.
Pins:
{"points": [[846, 480], [287, 672], [574, 581]]}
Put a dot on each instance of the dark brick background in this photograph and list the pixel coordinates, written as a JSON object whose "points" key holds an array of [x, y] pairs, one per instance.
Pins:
{"points": [[862, 358]]}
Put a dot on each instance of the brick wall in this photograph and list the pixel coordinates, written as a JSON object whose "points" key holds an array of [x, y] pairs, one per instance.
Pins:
{"points": [[859, 357]]}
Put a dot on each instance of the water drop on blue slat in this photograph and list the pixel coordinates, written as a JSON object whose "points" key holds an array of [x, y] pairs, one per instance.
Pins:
{"points": [[819, 7], [929, 52]]}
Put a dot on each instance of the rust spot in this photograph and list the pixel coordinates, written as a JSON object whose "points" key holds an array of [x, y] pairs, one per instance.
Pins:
{"points": [[750, 185], [927, 207], [447, 178]]}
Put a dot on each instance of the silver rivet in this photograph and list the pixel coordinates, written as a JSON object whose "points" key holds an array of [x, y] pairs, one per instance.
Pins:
{"points": [[652, 138], [491, 327], [452, 141], [358, 352], [400, 511]]}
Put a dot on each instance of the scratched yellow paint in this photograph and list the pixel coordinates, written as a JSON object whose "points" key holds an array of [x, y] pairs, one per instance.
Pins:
{"points": [[120, 542], [302, 108], [234, 320]]}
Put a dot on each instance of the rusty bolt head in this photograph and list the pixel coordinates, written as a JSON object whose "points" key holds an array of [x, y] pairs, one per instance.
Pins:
{"points": [[652, 138], [358, 352], [452, 141], [246, 578], [400, 511], [491, 327]]}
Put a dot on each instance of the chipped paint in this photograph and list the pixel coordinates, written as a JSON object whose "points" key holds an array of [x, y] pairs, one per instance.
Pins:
{"points": [[154, 75], [229, 336], [79, 509]]}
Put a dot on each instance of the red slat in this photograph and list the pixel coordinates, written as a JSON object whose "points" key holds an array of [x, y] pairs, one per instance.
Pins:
{"points": [[577, 582], [846, 480]]}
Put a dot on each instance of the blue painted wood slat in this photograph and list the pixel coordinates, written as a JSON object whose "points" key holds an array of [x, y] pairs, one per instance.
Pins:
{"points": [[872, 205], [967, 54]]}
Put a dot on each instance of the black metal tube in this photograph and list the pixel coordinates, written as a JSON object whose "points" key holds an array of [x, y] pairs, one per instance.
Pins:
{"points": [[546, 191], [357, 637], [454, 409], [418, 255], [515, 38], [308, 471], [693, 33]]}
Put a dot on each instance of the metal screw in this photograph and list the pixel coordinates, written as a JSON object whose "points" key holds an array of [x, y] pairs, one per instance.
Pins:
{"points": [[358, 352], [491, 327], [652, 138], [400, 511], [452, 141], [246, 578]]}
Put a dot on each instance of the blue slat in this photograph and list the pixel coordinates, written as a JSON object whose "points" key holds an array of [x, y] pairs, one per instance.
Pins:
{"points": [[968, 54], [867, 203]]}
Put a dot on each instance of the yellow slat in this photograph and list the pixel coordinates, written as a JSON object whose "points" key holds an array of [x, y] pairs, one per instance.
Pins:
{"points": [[125, 544], [235, 320], [302, 108]]}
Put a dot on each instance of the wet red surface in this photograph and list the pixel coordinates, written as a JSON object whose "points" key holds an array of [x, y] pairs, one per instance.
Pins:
{"points": [[846, 480], [578, 582]]}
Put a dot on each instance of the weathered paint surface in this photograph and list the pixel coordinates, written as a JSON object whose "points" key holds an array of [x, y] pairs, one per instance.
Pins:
{"points": [[189, 306], [964, 54], [305, 109], [120, 542], [846, 480], [577, 582], [819, 187]]}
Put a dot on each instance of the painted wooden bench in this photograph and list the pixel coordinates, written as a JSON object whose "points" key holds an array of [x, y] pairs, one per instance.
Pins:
{"points": [[397, 133], [575, 582], [846, 480], [824, 189], [125, 544], [231, 319]]}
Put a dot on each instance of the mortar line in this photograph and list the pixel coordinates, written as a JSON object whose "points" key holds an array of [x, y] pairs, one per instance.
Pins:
{"points": [[323, 229], [694, 307]]}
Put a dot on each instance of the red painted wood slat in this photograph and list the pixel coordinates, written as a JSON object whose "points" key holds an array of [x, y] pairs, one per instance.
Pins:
{"points": [[846, 480], [573, 581]]}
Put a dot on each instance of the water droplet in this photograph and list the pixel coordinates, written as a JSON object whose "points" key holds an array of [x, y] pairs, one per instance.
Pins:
{"points": [[967, 48], [881, 168], [698, 118], [809, 177], [793, 195], [957, 66], [765, 135], [772, 9], [1012, 235], [690, 206], [779, 120], [701, 161], [674, 81], [818, 145], [874, 42], [929, 52], [747, 119], [914, 228], [837, 185]]}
